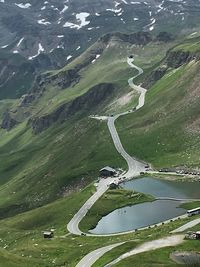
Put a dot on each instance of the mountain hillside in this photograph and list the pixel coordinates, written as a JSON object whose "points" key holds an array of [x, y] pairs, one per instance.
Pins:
{"points": [[40, 35], [169, 121], [47, 138], [66, 93]]}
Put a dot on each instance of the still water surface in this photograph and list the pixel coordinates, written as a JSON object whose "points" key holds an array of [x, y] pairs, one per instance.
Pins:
{"points": [[144, 214], [164, 188]]}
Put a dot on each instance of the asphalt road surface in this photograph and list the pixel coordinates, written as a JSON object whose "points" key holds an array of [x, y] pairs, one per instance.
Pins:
{"points": [[101, 189], [92, 257], [134, 166], [151, 245]]}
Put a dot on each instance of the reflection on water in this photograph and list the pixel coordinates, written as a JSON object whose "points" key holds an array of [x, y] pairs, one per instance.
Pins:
{"points": [[138, 216], [141, 215], [164, 188]]}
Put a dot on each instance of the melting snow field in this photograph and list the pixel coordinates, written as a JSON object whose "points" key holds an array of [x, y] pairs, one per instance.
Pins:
{"points": [[40, 50], [81, 20], [81, 17], [21, 5], [97, 56]]}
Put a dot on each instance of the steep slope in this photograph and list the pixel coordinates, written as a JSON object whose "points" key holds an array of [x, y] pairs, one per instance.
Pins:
{"points": [[50, 146], [166, 130], [47, 34], [104, 62]]}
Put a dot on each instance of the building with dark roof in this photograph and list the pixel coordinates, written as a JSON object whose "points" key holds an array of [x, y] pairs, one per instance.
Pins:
{"points": [[107, 172]]}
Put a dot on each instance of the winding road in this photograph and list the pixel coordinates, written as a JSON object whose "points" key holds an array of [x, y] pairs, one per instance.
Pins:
{"points": [[134, 166], [134, 169]]}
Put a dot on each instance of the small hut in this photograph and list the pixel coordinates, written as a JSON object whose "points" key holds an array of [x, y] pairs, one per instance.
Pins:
{"points": [[48, 234]]}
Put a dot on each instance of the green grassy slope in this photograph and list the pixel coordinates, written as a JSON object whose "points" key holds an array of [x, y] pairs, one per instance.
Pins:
{"points": [[110, 67], [165, 131], [160, 256], [22, 243], [36, 169], [189, 45]]}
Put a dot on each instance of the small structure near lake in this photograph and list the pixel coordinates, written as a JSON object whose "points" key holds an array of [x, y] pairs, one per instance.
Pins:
{"points": [[107, 172]]}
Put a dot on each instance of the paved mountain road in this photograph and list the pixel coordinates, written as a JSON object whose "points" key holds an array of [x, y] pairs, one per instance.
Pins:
{"points": [[134, 166], [151, 245], [73, 225], [92, 257]]}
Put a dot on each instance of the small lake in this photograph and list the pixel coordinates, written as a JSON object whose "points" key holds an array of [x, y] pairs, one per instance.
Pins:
{"points": [[164, 188], [144, 214]]}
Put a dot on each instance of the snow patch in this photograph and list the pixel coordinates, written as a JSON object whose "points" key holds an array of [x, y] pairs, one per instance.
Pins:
{"points": [[64, 9], [97, 56], [40, 50], [43, 21], [69, 57], [114, 10], [81, 17], [20, 41], [4, 46], [21, 5]]}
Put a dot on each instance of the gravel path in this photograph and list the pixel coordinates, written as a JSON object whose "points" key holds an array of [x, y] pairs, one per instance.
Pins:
{"points": [[151, 245]]}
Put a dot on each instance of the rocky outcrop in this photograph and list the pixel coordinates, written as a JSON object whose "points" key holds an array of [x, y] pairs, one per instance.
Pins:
{"points": [[156, 75], [62, 79], [176, 58], [164, 37], [67, 77], [82, 105], [27, 99], [8, 122], [138, 38]]}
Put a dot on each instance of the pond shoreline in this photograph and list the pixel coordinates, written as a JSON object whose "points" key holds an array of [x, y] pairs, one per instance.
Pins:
{"points": [[169, 195]]}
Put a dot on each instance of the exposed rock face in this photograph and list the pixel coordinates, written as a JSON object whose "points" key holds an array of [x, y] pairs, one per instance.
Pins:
{"points": [[69, 77], [27, 99], [155, 76], [138, 38], [174, 59], [44, 33], [177, 58], [8, 122], [164, 37], [82, 105]]}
